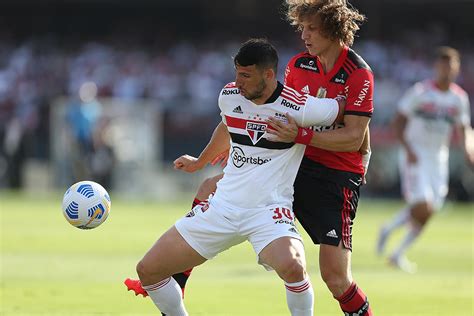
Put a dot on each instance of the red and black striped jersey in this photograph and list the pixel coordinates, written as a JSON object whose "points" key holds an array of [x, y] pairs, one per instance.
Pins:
{"points": [[350, 77]]}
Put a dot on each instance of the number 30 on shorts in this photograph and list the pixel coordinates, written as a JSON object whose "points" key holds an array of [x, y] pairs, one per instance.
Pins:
{"points": [[279, 212]]}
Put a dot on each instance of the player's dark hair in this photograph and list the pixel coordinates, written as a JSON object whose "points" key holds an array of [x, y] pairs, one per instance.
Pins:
{"points": [[339, 19], [258, 52], [447, 53]]}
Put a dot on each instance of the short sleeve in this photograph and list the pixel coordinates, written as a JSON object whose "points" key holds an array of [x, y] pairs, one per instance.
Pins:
{"points": [[407, 103], [360, 93]]}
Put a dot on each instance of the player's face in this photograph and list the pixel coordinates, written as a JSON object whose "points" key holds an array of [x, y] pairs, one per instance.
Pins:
{"points": [[315, 42], [447, 69], [251, 81]]}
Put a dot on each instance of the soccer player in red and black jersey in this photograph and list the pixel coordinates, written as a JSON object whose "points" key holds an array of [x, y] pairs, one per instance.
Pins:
{"points": [[327, 186]]}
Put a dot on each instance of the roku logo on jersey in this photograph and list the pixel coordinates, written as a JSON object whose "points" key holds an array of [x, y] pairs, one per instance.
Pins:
{"points": [[239, 158], [229, 92], [290, 105], [363, 93]]}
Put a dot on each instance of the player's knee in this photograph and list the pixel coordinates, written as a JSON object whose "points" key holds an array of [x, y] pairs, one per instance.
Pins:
{"points": [[422, 212], [142, 270], [146, 272], [292, 270], [336, 282]]}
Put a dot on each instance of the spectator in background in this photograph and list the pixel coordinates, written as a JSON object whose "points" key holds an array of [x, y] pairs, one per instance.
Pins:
{"points": [[427, 114], [82, 117], [102, 160]]}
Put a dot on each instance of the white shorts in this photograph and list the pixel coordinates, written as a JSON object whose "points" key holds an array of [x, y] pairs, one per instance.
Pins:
{"points": [[211, 228], [425, 181]]}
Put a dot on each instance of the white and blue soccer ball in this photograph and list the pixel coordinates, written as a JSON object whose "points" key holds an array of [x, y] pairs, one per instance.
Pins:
{"points": [[86, 205]]}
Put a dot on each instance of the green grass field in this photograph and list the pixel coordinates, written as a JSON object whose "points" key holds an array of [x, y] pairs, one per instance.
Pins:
{"points": [[51, 268]]}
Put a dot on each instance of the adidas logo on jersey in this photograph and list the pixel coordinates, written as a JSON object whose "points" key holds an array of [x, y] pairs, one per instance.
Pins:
{"points": [[305, 89], [332, 234], [238, 110]]}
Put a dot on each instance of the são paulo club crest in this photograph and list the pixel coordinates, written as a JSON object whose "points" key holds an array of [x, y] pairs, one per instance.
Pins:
{"points": [[255, 131]]}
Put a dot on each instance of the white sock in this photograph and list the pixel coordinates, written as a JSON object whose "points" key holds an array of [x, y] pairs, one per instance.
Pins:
{"points": [[167, 296], [413, 233], [402, 217], [300, 298]]}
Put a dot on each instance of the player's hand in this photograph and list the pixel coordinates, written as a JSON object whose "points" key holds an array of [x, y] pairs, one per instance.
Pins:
{"points": [[411, 157], [282, 132], [341, 102], [221, 158], [187, 163]]}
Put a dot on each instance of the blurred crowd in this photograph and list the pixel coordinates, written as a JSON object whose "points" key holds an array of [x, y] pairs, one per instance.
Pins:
{"points": [[183, 80]]}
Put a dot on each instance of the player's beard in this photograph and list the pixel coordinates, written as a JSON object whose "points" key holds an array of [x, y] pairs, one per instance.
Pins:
{"points": [[258, 91]]}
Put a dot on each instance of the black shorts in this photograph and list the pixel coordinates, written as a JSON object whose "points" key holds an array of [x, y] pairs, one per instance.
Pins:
{"points": [[325, 202]]}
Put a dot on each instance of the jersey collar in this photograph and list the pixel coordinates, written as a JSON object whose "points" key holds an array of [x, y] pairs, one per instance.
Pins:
{"points": [[275, 93]]}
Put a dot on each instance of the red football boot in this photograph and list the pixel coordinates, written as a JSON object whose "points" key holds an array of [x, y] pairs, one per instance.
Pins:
{"points": [[135, 286]]}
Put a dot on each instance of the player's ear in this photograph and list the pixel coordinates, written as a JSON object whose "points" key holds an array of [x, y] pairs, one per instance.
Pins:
{"points": [[269, 74]]}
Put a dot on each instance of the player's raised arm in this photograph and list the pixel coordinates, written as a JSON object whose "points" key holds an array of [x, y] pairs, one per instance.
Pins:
{"points": [[349, 137], [220, 142]]}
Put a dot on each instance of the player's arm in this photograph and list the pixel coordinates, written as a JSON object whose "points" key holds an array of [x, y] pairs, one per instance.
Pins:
{"points": [[463, 128], [358, 111], [365, 147], [316, 111], [219, 142], [399, 124], [346, 139], [467, 142], [366, 151]]}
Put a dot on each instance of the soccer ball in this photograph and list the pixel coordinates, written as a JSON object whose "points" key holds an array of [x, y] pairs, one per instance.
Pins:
{"points": [[86, 205]]}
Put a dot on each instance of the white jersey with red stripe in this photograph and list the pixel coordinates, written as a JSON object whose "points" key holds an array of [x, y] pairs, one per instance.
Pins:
{"points": [[431, 115], [260, 173]]}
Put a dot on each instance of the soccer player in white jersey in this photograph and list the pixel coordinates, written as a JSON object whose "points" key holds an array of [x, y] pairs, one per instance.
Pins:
{"points": [[426, 116], [253, 200]]}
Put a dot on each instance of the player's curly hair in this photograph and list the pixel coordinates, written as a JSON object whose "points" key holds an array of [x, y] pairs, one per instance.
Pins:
{"points": [[340, 20]]}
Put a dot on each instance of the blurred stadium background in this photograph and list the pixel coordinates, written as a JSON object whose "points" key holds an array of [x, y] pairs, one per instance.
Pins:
{"points": [[157, 68], [144, 77]]}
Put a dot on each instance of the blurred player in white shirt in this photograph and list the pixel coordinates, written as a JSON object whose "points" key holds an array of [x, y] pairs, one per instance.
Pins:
{"points": [[427, 115]]}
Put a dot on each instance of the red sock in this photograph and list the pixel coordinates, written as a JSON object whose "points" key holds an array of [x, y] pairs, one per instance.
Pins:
{"points": [[196, 202], [354, 301]]}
